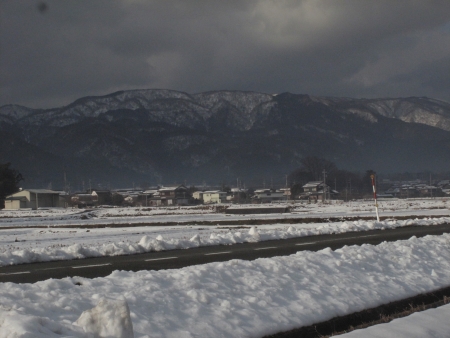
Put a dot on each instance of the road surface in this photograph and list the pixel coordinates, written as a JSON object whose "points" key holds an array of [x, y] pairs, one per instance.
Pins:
{"points": [[176, 259]]}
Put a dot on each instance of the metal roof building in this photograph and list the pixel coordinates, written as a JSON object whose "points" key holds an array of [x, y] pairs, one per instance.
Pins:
{"points": [[33, 199]]}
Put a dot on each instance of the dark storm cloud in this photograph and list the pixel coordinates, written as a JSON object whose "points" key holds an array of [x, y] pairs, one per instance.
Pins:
{"points": [[53, 52]]}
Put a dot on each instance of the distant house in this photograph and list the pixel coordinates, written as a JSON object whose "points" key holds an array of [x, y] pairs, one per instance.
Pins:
{"points": [[84, 200], [314, 187], [446, 189], [214, 197], [237, 195], [103, 196], [145, 197], [315, 190], [408, 191], [178, 195], [286, 192], [33, 199], [427, 190], [393, 191], [268, 195], [198, 195]]}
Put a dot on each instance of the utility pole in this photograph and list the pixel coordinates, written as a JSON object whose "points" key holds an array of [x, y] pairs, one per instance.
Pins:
{"points": [[350, 187], [285, 191], [346, 190], [431, 188], [324, 172]]}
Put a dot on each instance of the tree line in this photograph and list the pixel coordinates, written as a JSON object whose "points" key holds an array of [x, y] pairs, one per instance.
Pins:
{"points": [[9, 181], [346, 182]]}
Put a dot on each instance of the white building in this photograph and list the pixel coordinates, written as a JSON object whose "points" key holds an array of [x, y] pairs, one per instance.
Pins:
{"points": [[198, 195], [268, 195], [33, 199], [215, 196]]}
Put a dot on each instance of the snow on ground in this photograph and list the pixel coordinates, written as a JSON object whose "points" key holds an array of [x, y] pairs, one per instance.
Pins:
{"points": [[192, 215], [232, 299], [429, 323], [26, 245]]}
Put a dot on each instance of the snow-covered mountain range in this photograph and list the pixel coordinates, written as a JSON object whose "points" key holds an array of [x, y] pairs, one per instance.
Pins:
{"points": [[162, 136], [167, 105]]}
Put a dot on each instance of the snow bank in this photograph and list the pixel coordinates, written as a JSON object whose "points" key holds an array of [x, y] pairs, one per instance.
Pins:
{"points": [[108, 319], [235, 298], [158, 243]]}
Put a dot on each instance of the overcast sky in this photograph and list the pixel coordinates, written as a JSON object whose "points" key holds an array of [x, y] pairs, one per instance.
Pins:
{"points": [[53, 52]]}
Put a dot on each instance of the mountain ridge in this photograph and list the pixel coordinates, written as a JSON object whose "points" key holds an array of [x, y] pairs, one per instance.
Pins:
{"points": [[411, 109], [160, 135]]}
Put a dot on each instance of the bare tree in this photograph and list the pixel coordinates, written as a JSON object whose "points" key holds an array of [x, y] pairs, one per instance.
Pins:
{"points": [[315, 166]]}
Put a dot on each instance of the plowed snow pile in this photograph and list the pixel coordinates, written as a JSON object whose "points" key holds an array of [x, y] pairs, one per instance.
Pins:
{"points": [[235, 298]]}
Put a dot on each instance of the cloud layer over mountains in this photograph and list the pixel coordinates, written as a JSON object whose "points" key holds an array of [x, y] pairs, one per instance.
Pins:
{"points": [[53, 52]]}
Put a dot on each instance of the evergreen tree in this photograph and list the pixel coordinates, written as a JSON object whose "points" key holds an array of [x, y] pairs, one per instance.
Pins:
{"points": [[9, 182]]}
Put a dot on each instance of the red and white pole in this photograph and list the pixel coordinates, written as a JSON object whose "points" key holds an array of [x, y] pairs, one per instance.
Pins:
{"points": [[375, 195]]}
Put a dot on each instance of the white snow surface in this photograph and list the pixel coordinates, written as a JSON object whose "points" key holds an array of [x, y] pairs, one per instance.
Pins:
{"points": [[193, 215], [25, 244], [235, 298], [20, 246], [429, 323], [110, 318]]}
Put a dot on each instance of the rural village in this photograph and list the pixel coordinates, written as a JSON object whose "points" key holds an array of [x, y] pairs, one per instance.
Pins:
{"points": [[180, 195]]}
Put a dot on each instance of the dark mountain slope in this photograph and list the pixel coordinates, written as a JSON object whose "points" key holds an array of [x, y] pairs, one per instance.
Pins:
{"points": [[162, 136]]}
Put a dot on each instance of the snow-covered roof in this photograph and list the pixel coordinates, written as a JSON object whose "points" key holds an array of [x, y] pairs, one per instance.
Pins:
{"points": [[172, 188], [39, 191], [16, 198], [238, 190], [149, 191], [312, 184], [260, 191]]}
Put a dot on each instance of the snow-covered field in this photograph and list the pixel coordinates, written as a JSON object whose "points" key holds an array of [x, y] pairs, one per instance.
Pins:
{"points": [[26, 245], [193, 215], [229, 299]]}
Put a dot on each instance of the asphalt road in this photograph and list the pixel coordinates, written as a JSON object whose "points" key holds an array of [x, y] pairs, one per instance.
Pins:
{"points": [[175, 259]]}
